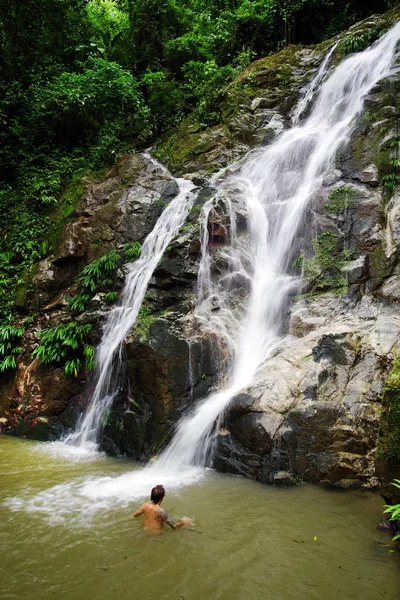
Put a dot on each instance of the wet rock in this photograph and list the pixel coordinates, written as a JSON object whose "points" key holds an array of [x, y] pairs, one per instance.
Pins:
{"points": [[356, 270], [370, 175], [165, 374], [317, 402], [241, 403], [283, 479]]}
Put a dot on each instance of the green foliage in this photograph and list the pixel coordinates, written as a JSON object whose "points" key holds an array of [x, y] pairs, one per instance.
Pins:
{"points": [[87, 106], [205, 83], [392, 180], [144, 321], [340, 199], [9, 336], [108, 21], [165, 98], [110, 297], [67, 345], [324, 269], [79, 303], [132, 251], [394, 509], [98, 272], [357, 42]]}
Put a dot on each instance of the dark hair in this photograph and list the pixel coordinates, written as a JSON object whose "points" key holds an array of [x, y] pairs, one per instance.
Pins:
{"points": [[157, 494]]}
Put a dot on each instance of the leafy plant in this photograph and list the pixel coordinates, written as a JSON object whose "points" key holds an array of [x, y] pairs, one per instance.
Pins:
{"points": [[9, 336], [132, 251], [357, 42], [79, 303], [110, 297], [66, 344], [394, 509], [392, 180], [98, 272]]}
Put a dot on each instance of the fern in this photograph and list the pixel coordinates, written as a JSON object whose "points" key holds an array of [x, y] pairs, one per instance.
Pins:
{"points": [[94, 275], [110, 297], [394, 509], [132, 251], [79, 303], [357, 42], [9, 334], [66, 344], [96, 272]]}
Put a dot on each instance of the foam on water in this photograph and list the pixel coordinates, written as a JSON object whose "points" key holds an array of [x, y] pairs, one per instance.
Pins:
{"points": [[59, 449], [80, 501]]}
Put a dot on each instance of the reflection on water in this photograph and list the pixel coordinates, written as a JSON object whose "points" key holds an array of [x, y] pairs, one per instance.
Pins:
{"points": [[67, 533]]}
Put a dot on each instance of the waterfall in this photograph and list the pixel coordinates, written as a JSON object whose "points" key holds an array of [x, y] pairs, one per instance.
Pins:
{"points": [[275, 186], [122, 318], [310, 90]]}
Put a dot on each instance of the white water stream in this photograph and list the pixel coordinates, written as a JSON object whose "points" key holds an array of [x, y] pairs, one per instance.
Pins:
{"points": [[274, 187], [122, 318]]}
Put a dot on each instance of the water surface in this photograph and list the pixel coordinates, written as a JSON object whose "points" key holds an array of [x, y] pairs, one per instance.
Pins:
{"points": [[63, 539]]}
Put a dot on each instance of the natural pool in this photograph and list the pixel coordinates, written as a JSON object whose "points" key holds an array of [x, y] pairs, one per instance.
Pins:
{"points": [[63, 538]]}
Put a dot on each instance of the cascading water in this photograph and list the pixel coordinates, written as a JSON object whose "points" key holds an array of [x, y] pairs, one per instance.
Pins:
{"points": [[274, 186], [122, 318], [311, 89]]}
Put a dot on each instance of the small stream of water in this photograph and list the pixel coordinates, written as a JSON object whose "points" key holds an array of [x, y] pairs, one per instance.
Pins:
{"points": [[122, 318]]}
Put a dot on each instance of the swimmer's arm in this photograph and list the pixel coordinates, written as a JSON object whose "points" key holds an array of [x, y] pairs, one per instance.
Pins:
{"points": [[139, 511], [174, 525]]}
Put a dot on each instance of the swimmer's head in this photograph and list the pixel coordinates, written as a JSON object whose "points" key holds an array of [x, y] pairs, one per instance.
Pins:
{"points": [[157, 494]]}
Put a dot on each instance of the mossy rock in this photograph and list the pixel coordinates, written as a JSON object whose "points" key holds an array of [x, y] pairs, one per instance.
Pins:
{"points": [[195, 147], [340, 199]]}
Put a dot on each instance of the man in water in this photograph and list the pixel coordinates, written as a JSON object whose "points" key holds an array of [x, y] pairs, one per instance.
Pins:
{"points": [[154, 515]]}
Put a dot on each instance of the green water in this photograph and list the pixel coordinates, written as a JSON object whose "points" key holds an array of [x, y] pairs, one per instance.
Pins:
{"points": [[248, 541]]}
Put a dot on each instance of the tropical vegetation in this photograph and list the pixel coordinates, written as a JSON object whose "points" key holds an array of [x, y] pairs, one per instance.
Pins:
{"points": [[82, 81]]}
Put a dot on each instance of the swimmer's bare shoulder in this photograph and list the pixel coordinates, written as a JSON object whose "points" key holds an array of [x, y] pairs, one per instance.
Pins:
{"points": [[155, 516]]}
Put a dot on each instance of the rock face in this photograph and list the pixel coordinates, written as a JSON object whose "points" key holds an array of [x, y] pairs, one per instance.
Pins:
{"points": [[321, 409], [42, 402], [314, 408]]}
